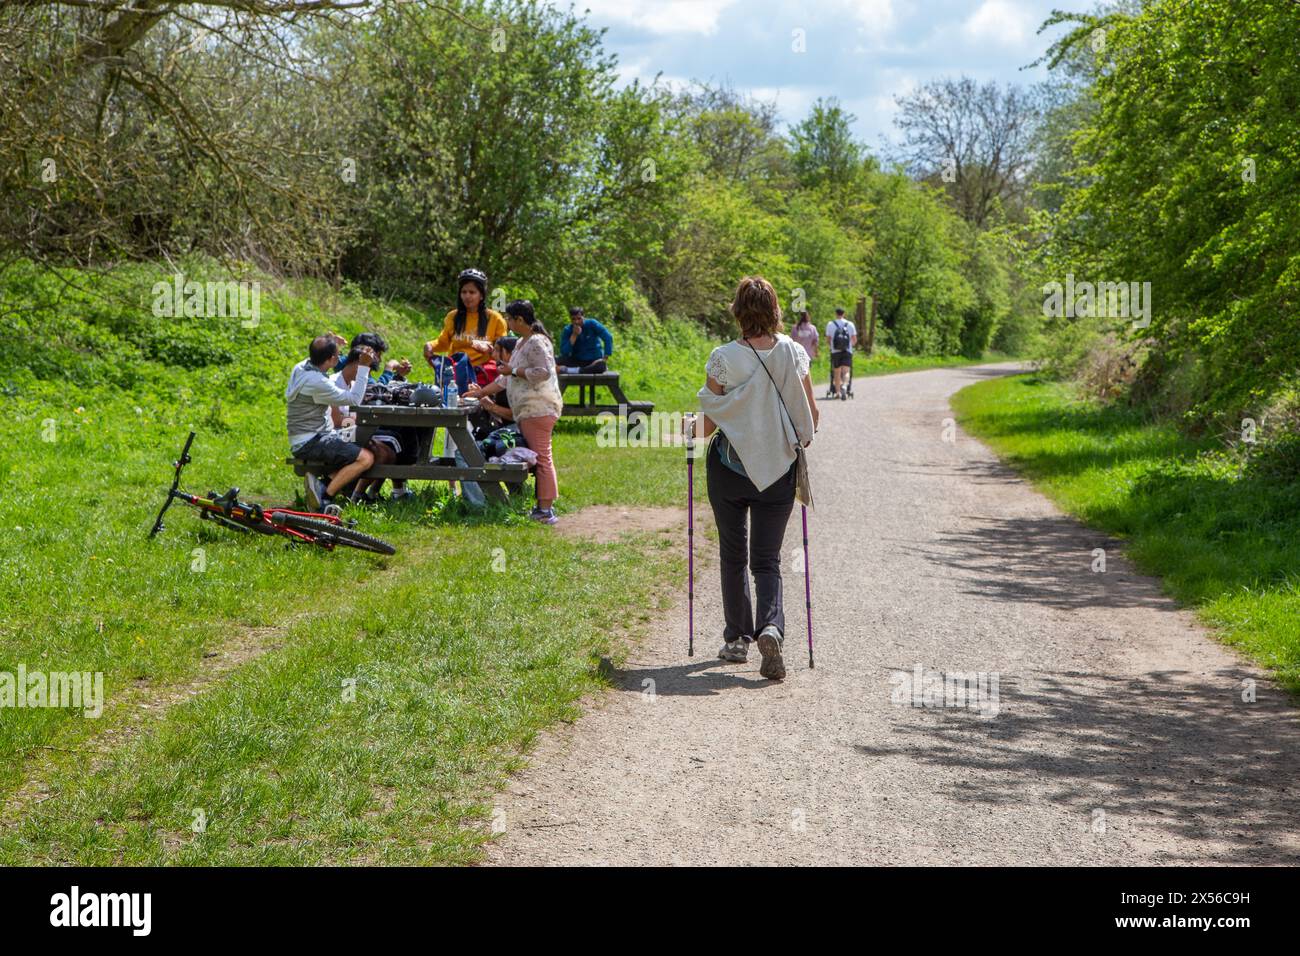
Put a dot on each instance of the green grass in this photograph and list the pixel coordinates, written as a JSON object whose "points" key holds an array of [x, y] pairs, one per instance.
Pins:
{"points": [[1225, 540], [457, 665], [225, 658]]}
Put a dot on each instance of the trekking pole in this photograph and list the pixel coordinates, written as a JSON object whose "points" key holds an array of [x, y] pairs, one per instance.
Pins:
{"points": [[690, 535], [807, 584]]}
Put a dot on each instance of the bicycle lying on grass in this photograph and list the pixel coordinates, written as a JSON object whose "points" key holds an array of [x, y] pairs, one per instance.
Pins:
{"points": [[227, 510]]}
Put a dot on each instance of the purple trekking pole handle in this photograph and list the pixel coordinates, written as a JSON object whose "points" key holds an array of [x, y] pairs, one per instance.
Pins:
{"points": [[807, 584], [690, 537]]}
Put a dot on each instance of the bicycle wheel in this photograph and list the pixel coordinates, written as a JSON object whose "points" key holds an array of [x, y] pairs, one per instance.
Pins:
{"points": [[326, 532]]}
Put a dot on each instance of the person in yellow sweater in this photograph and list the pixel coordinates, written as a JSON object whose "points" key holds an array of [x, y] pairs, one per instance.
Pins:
{"points": [[468, 330]]}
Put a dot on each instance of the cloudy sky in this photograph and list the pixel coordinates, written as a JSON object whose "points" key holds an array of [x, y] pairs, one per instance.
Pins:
{"points": [[863, 51]]}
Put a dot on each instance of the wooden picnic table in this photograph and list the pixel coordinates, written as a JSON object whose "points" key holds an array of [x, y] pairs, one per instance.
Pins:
{"points": [[491, 478], [587, 383]]}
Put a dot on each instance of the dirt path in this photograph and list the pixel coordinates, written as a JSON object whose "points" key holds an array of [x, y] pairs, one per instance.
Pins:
{"points": [[1118, 734]]}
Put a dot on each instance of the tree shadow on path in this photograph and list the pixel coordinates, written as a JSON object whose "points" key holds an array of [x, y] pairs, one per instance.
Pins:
{"points": [[1045, 559], [1170, 752]]}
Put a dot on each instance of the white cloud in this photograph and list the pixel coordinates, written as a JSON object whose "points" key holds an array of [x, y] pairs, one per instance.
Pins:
{"points": [[999, 21], [876, 15], [881, 108], [792, 102], [659, 16], [883, 104], [641, 70]]}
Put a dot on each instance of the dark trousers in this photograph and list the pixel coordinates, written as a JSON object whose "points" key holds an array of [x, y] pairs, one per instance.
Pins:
{"points": [[732, 497]]}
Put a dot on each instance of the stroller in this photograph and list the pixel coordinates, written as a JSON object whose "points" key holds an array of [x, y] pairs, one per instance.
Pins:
{"points": [[846, 393]]}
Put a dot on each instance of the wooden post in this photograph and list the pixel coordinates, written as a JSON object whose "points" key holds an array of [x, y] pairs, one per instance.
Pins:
{"points": [[871, 332], [860, 317]]}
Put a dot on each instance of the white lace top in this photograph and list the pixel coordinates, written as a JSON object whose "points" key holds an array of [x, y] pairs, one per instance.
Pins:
{"points": [[734, 362]]}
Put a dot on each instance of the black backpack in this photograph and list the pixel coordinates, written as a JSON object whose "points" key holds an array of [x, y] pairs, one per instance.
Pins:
{"points": [[840, 340]]}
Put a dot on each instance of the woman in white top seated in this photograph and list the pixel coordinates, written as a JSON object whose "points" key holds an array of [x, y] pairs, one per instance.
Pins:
{"points": [[759, 401]]}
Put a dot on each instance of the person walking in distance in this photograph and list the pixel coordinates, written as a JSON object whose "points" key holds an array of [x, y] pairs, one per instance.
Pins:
{"points": [[842, 335], [805, 333], [757, 401]]}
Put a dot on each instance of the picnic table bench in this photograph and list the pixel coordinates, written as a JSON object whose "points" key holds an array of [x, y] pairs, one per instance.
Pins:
{"points": [[491, 478], [587, 383]]}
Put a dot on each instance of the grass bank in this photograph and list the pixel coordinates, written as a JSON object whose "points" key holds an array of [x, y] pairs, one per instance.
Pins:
{"points": [[1224, 538], [366, 707]]}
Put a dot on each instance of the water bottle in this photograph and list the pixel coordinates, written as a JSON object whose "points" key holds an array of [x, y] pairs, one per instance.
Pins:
{"points": [[449, 399], [449, 392]]}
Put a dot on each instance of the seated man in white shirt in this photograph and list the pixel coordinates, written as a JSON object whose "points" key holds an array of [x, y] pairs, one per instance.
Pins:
{"points": [[308, 398]]}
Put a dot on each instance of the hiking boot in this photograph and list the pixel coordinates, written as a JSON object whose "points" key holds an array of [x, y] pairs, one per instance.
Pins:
{"points": [[545, 516], [769, 645], [735, 652], [401, 494]]}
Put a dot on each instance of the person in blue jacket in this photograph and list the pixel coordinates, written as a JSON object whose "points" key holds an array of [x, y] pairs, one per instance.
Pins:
{"points": [[585, 345]]}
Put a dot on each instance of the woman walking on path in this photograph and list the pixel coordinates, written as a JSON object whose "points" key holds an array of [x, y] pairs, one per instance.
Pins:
{"points": [[535, 400], [805, 333], [758, 397]]}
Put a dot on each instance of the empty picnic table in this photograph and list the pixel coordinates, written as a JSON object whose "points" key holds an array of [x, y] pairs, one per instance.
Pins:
{"points": [[488, 476], [587, 383]]}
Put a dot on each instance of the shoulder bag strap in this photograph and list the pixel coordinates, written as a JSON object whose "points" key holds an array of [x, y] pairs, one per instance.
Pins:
{"points": [[798, 443]]}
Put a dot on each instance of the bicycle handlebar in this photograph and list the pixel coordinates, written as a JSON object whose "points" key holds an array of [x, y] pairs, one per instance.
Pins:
{"points": [[184, 459], [176, 482]]}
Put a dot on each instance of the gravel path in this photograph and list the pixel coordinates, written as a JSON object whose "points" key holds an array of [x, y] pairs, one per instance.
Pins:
{"points": [[1117, 734]]}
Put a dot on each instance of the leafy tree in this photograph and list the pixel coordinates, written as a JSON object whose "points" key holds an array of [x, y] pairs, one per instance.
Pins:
{"points": [[507, 149], [146, 128], [823, 254], [972, 140], [986, 268], [825, 151], [1187, 170], [916, 268], [735, 135], [722, 236]]}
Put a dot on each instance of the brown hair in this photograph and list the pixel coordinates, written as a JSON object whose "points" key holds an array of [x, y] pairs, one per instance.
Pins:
{"points": [[756, 308]]}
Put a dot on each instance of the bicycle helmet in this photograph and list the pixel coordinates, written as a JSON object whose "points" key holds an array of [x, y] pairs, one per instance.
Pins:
{"points": [[427, 395], [477, 276]]}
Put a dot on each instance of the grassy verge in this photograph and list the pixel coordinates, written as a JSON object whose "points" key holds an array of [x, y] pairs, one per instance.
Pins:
{"points": [[480, 631], [1225, 542]]}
